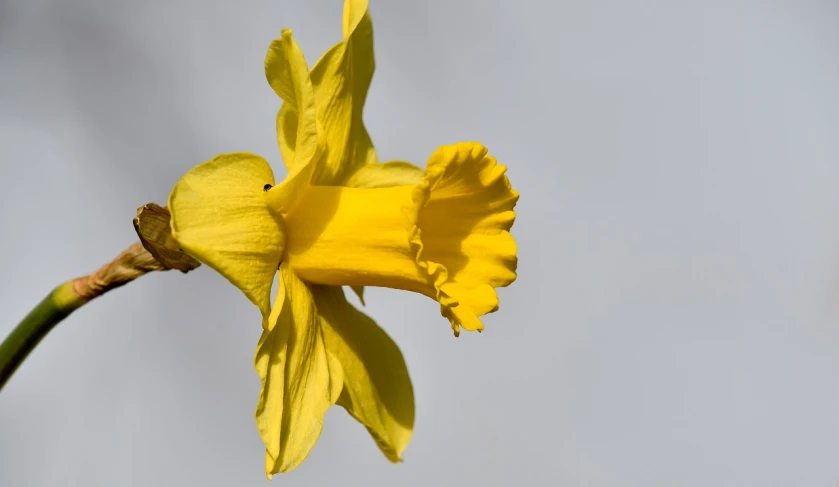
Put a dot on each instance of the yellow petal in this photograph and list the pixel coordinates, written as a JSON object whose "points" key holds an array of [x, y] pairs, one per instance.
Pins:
{"points": [[446, 237], [287, 133], [341, 78], [288, 75], [299, 379], [377, 390], [393, 173], [220, 217], [354, 13]]}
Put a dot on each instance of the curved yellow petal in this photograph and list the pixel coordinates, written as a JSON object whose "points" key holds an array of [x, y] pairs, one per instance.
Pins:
{"points": [[393, 173], [341, 78], [220, 217], [377, 389], [287, 133], [354, 13], [299, 378], [288, 75]]}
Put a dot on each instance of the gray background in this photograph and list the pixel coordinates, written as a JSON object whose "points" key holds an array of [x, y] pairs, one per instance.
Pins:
{"points": [[676, 317]]}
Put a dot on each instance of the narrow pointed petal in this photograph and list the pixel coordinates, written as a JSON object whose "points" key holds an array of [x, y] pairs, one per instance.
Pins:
{"points": [[220, 217], [393, 173], [354, 13], [377, 390], [287, 133], [358, 34], [340, 78], [299, 379], [288, 75]]}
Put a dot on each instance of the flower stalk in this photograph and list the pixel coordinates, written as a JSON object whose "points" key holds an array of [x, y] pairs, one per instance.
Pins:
{"points": [[156, 251], [62, 301]]}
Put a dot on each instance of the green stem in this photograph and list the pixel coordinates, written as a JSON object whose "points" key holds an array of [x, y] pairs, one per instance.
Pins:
{"points": [[132, 263], [62, 301]]}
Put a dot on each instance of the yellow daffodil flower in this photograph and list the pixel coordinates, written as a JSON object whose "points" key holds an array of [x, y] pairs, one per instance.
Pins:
{"points": [[340, 218]]}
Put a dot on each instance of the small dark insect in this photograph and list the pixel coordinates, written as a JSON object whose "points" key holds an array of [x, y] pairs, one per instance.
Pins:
{"points": [[267, 187]]}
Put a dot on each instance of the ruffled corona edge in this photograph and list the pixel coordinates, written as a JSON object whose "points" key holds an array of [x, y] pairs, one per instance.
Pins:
{"points": [[458, 227]]}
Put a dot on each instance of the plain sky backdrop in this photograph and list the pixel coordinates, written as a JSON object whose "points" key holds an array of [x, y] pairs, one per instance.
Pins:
{"points": [[676, 317]]}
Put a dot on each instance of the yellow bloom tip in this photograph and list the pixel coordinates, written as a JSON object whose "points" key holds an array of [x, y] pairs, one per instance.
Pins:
{"points": [[485, 200]]}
